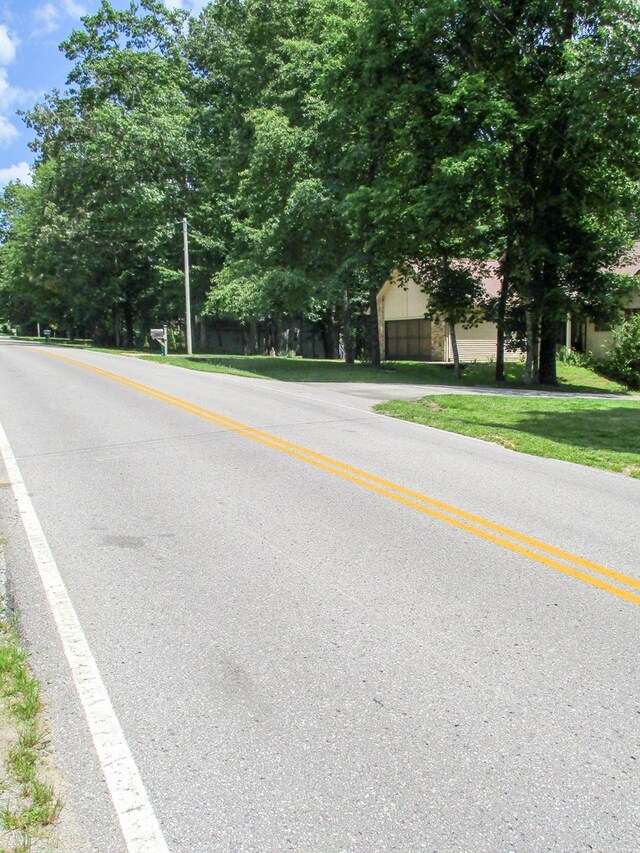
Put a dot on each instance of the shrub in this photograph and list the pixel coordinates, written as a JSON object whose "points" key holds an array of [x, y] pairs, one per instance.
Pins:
{"points": [[624, 355], [578, 359], [175, 338]]}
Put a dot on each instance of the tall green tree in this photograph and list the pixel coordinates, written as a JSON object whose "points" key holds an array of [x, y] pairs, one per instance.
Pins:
{"points": [[568, 188], [121, 139], [513, 133]]}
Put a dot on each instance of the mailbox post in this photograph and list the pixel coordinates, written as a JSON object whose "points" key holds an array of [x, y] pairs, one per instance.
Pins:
{"points": [[47, 335], [160, 335]]}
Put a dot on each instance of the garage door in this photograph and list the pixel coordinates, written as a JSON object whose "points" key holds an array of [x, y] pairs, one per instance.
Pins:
{"points": [[408, 339]]}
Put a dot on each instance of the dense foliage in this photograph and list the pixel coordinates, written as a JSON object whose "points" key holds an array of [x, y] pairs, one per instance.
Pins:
{"points": [[316, 145], [624, 360]]}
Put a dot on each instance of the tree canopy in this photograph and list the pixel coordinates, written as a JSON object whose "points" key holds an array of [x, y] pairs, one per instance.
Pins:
{"points": [[315, 146]]}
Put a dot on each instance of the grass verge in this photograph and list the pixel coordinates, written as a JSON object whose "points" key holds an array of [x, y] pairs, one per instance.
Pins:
{"points": [[600, 433], [571, 377], [81, 343], [28, 805]]}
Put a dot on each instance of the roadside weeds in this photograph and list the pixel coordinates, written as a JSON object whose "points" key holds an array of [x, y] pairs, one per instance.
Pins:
{"points": [[29, 807]]}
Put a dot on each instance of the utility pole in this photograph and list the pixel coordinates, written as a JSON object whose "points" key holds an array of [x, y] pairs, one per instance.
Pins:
{"points": [[187, 288]]}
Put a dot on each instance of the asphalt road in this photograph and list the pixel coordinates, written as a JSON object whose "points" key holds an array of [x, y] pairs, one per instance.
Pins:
{"points": [[303, 657]]}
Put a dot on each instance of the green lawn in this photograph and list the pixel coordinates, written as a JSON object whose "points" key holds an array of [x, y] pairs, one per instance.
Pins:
{"points": [[600, 433], [80, 343], [404, 372]]}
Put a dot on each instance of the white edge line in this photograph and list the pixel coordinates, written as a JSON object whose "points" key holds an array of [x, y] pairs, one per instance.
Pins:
{"points": [[140, 827]]}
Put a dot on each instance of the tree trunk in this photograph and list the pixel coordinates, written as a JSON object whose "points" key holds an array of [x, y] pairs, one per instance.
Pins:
{"points": [[454, 347], [116, 327], [275, 336], [500, 336], [347, 336], [328, 334], [547, 374], [529, 367], [291, 336], [202, 328], [549, 321], [252, 346], [506, 265], [280, 342], [128, 324], [374, 341]]}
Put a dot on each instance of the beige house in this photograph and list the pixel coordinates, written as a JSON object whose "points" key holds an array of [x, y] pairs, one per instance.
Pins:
{"points": [[587, 336], [405, 334]]}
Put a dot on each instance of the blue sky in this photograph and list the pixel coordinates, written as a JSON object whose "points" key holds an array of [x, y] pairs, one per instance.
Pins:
{"points": [[31, 64]]}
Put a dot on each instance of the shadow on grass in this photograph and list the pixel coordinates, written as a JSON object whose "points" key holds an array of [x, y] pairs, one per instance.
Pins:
{"points": [[572, 379], [614, 428], [324, 370]]}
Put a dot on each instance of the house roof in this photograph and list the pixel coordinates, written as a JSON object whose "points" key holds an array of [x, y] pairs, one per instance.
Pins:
{"points": [[631, 266], [492, 282]]}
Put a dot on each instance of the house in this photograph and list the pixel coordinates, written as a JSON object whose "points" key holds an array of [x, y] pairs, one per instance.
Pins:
{"points": [[587, 336], [405, 334]]}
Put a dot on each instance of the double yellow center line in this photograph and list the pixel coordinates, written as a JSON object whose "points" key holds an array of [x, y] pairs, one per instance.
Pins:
{"points": [[563, 561]]}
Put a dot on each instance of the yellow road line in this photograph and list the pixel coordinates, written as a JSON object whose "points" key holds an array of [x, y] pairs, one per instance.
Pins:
{"points": [[478, 526]]}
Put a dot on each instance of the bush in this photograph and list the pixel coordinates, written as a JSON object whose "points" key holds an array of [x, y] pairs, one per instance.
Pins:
{"points": [[175, 339], [578, 359], [624, 355]]}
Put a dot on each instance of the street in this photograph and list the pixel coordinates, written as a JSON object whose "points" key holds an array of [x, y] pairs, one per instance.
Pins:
{"points": [[322, 629]]}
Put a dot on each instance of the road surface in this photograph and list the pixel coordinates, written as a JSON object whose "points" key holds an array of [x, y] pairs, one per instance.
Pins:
{"points": [[321, 629]]}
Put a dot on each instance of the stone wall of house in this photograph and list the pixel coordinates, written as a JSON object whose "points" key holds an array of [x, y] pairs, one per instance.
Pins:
{"points": [[438, 335]]}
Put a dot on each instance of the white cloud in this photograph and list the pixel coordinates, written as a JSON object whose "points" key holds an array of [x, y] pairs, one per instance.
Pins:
{"points": [[47, 19], [18, 172], [73, 9], [192, 5], [10, 98], [8, 131], [50, 15], [8, 46]]}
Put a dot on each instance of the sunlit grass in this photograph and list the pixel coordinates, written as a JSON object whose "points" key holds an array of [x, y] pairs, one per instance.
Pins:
{"points": [[600, 433], [571, 378]]}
